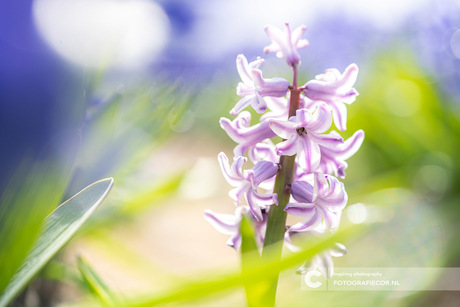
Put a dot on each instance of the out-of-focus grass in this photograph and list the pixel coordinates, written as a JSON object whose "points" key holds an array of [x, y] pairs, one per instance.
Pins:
{"points": [[56, 231], [34, 191]]}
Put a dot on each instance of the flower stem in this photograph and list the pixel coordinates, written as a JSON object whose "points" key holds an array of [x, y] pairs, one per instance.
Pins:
{"points": [[276, 222]]}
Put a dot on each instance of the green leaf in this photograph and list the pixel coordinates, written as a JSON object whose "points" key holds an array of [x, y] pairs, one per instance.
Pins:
{"points": [[255, 291], [258, 271], [95, 284], [57, 230]]}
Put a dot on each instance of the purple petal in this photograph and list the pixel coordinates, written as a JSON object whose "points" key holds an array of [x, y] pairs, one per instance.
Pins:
{"points": [[224, 223], [350, 146], [338, 251], [274, 87], [237, 166], [262, 171], [302, 210], [242, 67], [309, 156], [302, 192], [321, 120], [334, 202], [255, 200], [241, 105], [235, 241], [258, 103], [247, 137], [264, 150], [335, 187], [285, 43], [332, 139], [325, 264], [232, 178], [237, 193], [339, 112], [332, 88], [303, 118], [284, 129], [278, 107], [320, 184], [288, 147], [308, 224]]}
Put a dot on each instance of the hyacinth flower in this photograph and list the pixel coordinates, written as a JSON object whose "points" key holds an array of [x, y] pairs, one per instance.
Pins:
{"points": [[254, 87], [317, 203], [247, 137], [278, 107], [322, 261], [246, 182], [285, 43], [229, 224], [333, 158], [303, 134], [335, 89], [263, 151], [298, 172]]}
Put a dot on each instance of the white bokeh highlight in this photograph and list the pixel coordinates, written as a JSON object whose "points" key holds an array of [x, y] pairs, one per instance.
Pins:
{"points": [[103, 33]]}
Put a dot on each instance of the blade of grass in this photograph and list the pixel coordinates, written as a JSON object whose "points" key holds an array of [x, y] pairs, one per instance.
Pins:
{"points": [[257, 271], [95, 284], [57, 230]]}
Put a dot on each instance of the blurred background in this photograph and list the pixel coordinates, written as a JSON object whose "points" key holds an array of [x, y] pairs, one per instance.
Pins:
{"points": [[134, 90]]}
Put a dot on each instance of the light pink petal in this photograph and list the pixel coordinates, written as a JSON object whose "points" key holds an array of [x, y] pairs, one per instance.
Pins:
{"points": [[258, 103], [237, 166], [235, 241], [224, 223], [320, 183], [329, 90], [309, 154], [284, 129], [297, 35], [262, 171], [339, 113], [348, 79], [351, 145], [302, 192], [303, 118], [289, 147], [232, 178], [308, 223], [303, 210], [237, 194], [243, 69], [338, 250], [330, 140], [256, 200], [335, 187], [242, 104], [334, 204], [274, 87], [321, 120]]}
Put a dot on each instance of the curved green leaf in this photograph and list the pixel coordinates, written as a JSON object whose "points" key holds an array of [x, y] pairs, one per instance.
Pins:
{"points": [[57, 230], [95, 284]]}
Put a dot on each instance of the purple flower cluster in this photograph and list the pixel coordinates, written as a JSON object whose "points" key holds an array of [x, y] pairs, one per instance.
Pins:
{"points": [[317, 197]]}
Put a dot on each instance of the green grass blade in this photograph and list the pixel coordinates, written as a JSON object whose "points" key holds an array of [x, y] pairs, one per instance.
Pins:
{"points": [[57, 230], [95, 284], [259, 271]]}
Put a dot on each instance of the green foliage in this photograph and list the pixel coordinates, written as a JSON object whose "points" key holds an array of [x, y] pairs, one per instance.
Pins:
{"points": [[33, 192], [57, 230], [96, 285], [257, 271]]}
